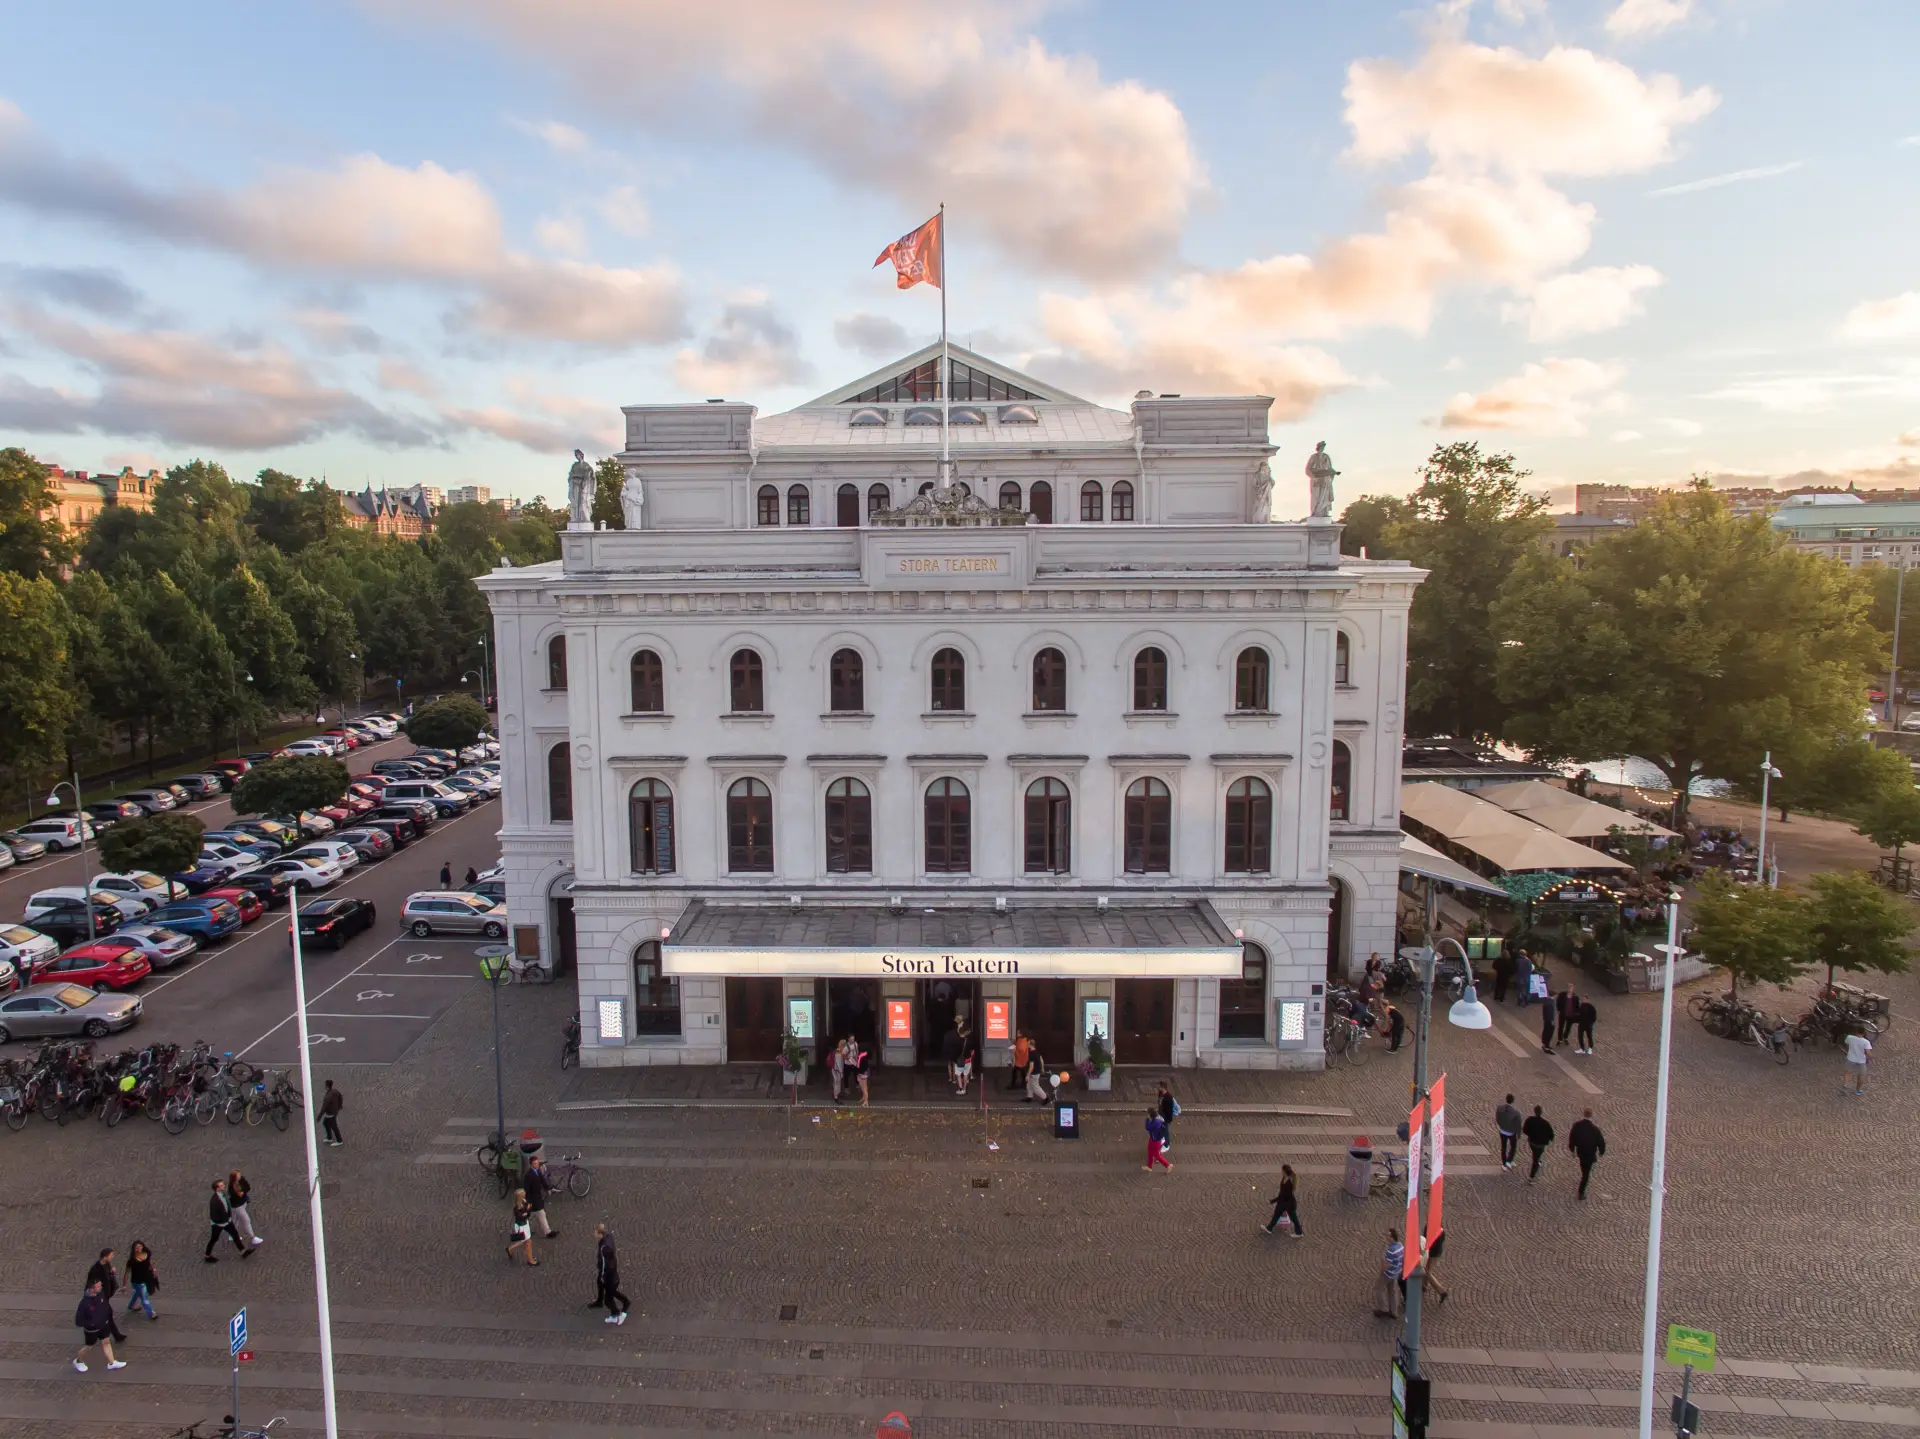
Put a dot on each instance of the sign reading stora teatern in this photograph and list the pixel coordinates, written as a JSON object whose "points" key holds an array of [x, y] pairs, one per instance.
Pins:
{"points": [[1172, 963]]}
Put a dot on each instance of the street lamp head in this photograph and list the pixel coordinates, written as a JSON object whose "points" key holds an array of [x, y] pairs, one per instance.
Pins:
{"points": [[1467, 1012], [53, 799]]}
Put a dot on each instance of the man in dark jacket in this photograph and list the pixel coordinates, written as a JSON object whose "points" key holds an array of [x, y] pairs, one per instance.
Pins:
{"points": [[607, 1277], [95, 1320], [1539, 1134], [538, 1185], [1502, 975], [1507, 1120], [1567, 1008], [1586, 1018], [220, 1221], [108, 1278], [1588, 1144], [331, 1103]]}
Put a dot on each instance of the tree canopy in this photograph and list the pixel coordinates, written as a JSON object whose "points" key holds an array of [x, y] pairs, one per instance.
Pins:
{"points": [[288, 786], [166, 844], [1757, 934], [1856, 925], [1892, 820], [31, 543], [608, 477], [451, 723]]}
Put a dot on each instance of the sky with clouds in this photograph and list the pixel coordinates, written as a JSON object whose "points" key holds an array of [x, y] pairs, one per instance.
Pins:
{"points": [[442, 241]]}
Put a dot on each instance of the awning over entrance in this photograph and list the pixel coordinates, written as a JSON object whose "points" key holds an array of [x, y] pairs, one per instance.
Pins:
{"points": [[1419, 857], [964, 941]]}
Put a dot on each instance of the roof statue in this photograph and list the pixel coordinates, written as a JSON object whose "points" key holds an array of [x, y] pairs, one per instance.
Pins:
{"points": [[1262, 507], [948, 504], [1320, 472], [580, 493], [633, 498]]}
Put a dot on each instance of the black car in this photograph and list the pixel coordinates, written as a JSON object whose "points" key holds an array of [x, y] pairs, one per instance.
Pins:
{"points": [[269, 887], [493, 889], [434, 760], [402, 769], [421, 813], [112, 811], [400, 829], [67, 921], [333, 922]]}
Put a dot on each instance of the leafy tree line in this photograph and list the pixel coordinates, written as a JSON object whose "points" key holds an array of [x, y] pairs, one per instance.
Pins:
{"points": [[227, 606]]}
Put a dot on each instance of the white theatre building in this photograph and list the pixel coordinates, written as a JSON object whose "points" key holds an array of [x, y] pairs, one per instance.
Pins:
{"points": [[1083, 740]]}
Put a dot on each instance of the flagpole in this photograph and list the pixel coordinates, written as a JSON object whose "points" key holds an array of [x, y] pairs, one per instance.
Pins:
{"points": [[946, 365], [316, 1217]]}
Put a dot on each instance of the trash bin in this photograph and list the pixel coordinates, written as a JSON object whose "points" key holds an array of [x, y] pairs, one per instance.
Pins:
{"points": [[1359, 1167], [1066, 1119]]}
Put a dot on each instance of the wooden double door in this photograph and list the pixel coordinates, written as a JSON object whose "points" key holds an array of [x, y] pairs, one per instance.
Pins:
{"points": [[1044, 1012], [755, 1018], [1143, 1021]]}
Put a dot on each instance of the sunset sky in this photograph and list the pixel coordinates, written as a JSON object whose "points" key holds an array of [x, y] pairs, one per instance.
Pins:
{"points": [[438, 242]]}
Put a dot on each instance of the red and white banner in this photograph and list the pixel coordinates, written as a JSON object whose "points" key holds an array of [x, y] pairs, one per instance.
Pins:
{"points": [[1415, 1122], [1436, 1185], [919, 256]]}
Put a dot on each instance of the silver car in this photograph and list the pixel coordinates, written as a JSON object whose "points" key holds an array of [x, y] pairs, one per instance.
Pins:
{"points": [[65, 1009], [22, 946], [23, 847], [452, 912], [163, 947]]}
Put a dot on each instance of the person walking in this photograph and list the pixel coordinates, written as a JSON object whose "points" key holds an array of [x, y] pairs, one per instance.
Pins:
{"points": [[1539, 1134], [1502, 975], [94, 1318], [142, 1280], [239, 1191], [1858, 1048], [969, 1056], [522, 1228], [1586, 1016], [837, 1067], [538, 1185], [331, 1103], [1156, 1142], [473, 876], [1017, 1071], [107, 1277], [1507, 1120], [1169, 1108], [863, 1071], [1285, 1205], [220, 1221], [1548, 1020], [1389, 1289], [607, 1266], [1396, 1028], [1588, 1144], [1566, 1010], [1522, 978], [950, 1048], [446, 876], [1429, 1281], [1036, 1072]]}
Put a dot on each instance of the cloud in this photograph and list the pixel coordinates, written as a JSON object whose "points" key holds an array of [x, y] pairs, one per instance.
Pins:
{"points": [[1622, 437], [335, 333], [1911, 437], [100, 292], [1894, 318], [1582, 302], [875, 336], [1632, 19], [1043, 157], [561, 234], [751, 348], [365, 217], [1686, 428], [547, 424], [1732, 177], [1807, 392], [555, 134], [622, 211], [399, 375], [1550, 398]]}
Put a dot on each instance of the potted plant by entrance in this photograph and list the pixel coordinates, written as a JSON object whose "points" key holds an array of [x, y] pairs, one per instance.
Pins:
{"points": [[1097, 1067], [793, 1058]]}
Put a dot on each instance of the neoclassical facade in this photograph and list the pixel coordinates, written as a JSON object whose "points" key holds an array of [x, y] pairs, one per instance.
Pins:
{"points": [[1082, 741]]}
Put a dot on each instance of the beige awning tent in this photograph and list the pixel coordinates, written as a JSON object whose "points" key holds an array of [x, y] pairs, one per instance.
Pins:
{"points": [[1419, 857], [1567, 814], [1504, 839]]}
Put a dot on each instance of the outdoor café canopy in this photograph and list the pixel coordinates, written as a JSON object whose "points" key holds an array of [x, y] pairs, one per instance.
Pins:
{"points": [[1419, 857], [1566, 814], [1505, 840]]}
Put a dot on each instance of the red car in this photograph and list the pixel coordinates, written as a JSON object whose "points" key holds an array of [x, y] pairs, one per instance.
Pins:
{"points": [[338, 813], [244, 900], [351, 741], [100, 965], [232, 768], [369, 787], [357, 805]]}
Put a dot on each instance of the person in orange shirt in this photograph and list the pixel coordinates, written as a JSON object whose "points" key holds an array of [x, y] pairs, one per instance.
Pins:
{"points": [[1017, 1075]]}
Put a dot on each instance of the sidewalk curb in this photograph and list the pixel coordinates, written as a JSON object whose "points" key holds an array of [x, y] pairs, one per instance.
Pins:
{"points": [[1308, 1111]]}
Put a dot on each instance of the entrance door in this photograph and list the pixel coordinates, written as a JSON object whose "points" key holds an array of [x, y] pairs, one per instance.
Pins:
{"points": [[942, 1002], [1337, 934], [754, 1018], [563, 936], [853, 1007], [1143, 1030], [1044, 1013]]}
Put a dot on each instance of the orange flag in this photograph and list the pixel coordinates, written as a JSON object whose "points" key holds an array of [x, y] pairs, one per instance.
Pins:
{"points": [[917, 256]]}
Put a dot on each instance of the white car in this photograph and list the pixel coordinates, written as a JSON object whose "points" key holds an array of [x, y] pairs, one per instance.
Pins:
{"points": [[485, 781], [315, 746], [22, 947], [344, 855], [58, 831], [136, 884], [230, 857], [305, 873], [132, 906]]}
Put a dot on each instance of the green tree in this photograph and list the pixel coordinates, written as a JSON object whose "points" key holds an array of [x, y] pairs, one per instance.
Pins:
{"points": [[32, 541], [165, 844], [37, 695], [1468, 525], [288, 786], [1757, 934], [1844, 774], [608, 477], [1695, 640], [451, 723], [1892, 821], [1856, 925], [1366, 521], [290, 515]]}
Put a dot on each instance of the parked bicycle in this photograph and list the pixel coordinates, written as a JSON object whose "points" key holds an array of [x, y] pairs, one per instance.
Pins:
{"points": [[570, 1175], [1346, 1039], [1769, 1032], [570, 1044], [1389, 1174]]}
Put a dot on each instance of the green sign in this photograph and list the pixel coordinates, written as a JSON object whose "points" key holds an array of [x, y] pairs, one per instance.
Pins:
{"points": [[1690, 1346]]}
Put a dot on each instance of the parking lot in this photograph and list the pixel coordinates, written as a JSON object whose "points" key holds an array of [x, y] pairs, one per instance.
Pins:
{"points": [[374, 1012]]}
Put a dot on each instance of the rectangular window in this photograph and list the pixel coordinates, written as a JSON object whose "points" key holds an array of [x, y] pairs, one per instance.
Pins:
{"points": [[1243, 1001], [656, 1001]]}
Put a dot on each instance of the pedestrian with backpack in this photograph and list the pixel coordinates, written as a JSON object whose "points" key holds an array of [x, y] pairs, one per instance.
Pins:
{"points": [[1156, 1142], [1169, 1108]]}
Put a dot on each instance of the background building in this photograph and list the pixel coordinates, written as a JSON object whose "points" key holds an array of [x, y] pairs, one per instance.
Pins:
{"points": [[470, 495], [1845, 527], [75, 497], [406, 512]]}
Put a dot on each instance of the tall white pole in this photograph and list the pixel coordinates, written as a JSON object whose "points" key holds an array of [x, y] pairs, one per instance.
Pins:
{"points": [[1766, 780], [1650, 1321], [946, 365], [315, 1217]]}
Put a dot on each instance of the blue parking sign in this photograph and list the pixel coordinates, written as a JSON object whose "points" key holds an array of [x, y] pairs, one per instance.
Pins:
{"points": [[237, 1333]]}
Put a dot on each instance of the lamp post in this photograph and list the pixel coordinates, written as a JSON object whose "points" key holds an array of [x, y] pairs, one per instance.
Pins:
{"points": [[1650, 1320], [1893, 672], [1768, 774], [475, 674], [493, 969], [80, 827], [485, 665]]}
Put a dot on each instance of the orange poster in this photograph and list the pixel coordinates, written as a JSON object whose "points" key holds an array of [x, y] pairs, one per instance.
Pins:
{"points": [[900, 1019], [997, 1019]]}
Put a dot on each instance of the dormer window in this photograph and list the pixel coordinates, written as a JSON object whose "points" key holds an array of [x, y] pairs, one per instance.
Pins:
{"points": [[1019, 415], [867, 415], [966, 415], [923, 415]]}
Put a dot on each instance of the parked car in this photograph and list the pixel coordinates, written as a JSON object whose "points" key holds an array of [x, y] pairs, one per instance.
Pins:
{"points": [[307, 825], [163, 948], [101, 964], [67, 921], [57, 1009], [7, 861], [21, 946], [307, 874], [370, 844], [302, 748], [422, 815], [244, 842], [399, 828], [270, 830], [203, 786], [231, 769], [492, 890], [333, 922], [110, 812], [140, 884], [482, 787], [270, 889], [207, 920], [237, 859], [9, 977], [176, 789], [22, 846], [402, 769], [40, 902], [452, 912], [343, 855], [250, 905], [202, 877], [335, 814], [257, 756], [152, 801], [445, 799]]}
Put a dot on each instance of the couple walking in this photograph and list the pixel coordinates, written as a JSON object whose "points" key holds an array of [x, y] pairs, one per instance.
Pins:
{"points": [[228, 1214], [94, 1317]]}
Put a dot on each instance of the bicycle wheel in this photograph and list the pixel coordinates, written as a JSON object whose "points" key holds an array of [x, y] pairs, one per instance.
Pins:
{"points": [[1782, 1053], [1357, 1047], [256, 1111], [206, 1106], [489, 1156], [569, 1056], [281, 1113], [156, 1102], [236, 1109], [1719, 1024], [579, 1182], [16, 1112], [174, 1118], [1697, 1006], [240, 1072], [49, 1105], [116, 1111]]}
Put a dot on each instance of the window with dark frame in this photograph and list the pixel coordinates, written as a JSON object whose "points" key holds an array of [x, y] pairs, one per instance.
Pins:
{"points": [[849, 828], [650, 825], [560, 784], [879, 498], [656, 994], [767, 506], [949, 810], [749, 827], [1243, 1001], [1148, 838], [846, 682], [1251, 689], [1049, 828], [1040, 502], [1342, 658], [1122, 505], [747, 691], [649, 683], [557, 663], [950, 681], [1150, 679], [1050, 680], [1249, 847], [799, 505], [1010, 495], [1092, 502], [846, 507], [1340, 795]]}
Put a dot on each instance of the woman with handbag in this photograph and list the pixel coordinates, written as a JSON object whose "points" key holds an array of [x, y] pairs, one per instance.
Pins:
{"points": [[143, 1282]]}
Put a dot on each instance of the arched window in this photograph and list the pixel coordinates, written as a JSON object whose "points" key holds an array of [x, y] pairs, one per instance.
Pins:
{"points": [[949, 828], [1123, 499], [799, 506], [1341, 796], [1049, 680], [749, 828], [879, 498], [560, 784], [1150, 679], [649, 683], [1040, 502], [557, 663], [1010, 495], [656, 994], [949, 680], [747, 693], [926, 487], [849, 828], [1250, 680], [1243, 1001], [1149, 828], [1249, 827], [1092, 502], [1049, 828], [846, 507], [650, 826], [846, 682], [767, 506], [1342, 659]]}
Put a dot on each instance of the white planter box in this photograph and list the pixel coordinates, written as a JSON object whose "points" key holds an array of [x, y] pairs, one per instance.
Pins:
{"points": [[1101, 1082]]}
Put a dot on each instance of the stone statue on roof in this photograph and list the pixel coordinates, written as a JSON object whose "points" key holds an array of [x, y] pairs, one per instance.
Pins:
{"points": [[1320, 472], [633, 498], [1261, 510], [580, 493]]}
